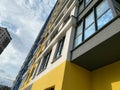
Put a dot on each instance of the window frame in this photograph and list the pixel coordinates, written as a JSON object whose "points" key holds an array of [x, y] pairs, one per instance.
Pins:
{"points": [[85, 5], [59, 49], [94, 9], [44, 62]]}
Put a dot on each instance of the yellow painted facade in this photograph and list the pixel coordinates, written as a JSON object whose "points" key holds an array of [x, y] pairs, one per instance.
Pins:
{"points": [[53, 78], [68, 76], [107, 78], [76, 78]]}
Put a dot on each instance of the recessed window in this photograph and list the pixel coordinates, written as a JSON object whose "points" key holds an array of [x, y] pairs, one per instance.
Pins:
{"points": [[59, 48], [36, 68], [44, 62], [51, 88], [81, 7]]}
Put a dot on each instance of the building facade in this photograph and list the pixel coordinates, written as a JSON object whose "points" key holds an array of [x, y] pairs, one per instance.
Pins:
{"points": [[4, 38], [77, 49]]}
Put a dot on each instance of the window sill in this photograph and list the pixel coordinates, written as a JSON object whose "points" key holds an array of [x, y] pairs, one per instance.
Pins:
{"points": [[41, 71], [55, 59]]}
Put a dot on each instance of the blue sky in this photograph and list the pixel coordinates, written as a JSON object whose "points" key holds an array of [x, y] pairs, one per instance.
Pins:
{"points": [[23, 19]]}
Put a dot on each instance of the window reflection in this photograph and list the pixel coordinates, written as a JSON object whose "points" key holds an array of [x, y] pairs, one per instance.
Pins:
{"points": [[89, 25], [104, 14], [79, 34], [89, 31], [102, 8], [105, 19], [99, 17]]}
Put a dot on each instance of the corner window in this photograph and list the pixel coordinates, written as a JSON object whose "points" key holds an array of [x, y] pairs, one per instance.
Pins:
{"points": [[44, 62], [59, 47], [94, 21], [81, 7], [51, 88], [104, 14]]}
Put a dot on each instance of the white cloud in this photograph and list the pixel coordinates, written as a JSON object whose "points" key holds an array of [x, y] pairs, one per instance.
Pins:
{"points": [[23, 19]]}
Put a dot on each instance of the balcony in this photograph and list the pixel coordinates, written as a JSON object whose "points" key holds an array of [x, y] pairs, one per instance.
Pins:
{"points": [[101, 49]]}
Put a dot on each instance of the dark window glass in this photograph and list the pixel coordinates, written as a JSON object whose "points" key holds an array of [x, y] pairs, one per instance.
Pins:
{"points": [[81, 7], [54, 34], [44, 62], [52, 88], [60, 47], [116, 4], [35, 71]]}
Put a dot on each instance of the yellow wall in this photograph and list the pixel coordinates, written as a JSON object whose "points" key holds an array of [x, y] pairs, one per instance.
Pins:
{"points": [[53, 78], [107, 78], [69, 76], [76, 78]]}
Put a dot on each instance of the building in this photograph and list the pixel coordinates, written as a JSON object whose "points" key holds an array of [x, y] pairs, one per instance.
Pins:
{"points": [[2, 87], [77, 49], [4, 38]]}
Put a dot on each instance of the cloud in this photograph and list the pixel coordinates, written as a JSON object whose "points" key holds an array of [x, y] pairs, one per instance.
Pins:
{"points": [[23, 19]]}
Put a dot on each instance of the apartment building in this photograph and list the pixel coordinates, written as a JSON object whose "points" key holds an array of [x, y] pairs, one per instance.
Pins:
{"points": [[4, 38], [77, 49]]}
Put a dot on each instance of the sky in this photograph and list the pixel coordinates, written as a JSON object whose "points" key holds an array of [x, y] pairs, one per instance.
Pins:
{"points": [[23, 19]]}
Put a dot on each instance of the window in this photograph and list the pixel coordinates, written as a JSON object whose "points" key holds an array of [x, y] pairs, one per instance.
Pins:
{"points": [[79, 34], [54, 34], [34, 73], [66, 20], [87, 2], [36, 68], [92, 22], [83, 4], [89, 25], [116, 4], [59, 48], [44, 62], [104, 14]]}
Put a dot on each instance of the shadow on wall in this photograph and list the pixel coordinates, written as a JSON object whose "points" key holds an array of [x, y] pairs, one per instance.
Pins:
{"points": [[107, 78]]}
